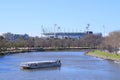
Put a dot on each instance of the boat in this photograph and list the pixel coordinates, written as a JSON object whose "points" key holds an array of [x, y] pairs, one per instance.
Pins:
{"points": [[40, 64]]}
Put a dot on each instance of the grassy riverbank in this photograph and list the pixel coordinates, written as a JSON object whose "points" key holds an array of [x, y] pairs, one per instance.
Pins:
{"points": [[104, 55]]}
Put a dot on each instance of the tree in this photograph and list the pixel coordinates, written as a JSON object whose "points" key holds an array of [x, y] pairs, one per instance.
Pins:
{"points": [[92, 40], [112, 42]]}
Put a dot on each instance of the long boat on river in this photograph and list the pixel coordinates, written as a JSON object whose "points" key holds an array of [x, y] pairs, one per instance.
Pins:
{"points": [[40, 64]]}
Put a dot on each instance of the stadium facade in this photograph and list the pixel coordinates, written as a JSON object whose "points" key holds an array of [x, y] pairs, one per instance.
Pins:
{"points": [[74, 35]]}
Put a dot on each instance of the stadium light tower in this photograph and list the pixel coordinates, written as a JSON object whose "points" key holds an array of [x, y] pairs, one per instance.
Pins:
{"points": [[58, 28], [42, 29], [87, 27], [104, 30], [55, 25]]}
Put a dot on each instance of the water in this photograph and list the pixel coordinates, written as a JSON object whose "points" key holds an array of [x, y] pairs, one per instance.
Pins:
{"points": [[75, 66]]}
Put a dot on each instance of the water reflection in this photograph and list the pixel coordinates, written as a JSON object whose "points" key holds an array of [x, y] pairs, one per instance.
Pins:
{"points": [[42, 69]]}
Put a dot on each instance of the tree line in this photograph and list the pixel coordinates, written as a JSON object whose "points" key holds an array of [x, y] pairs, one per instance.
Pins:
{"points": [[110, 43], [87, 41]]}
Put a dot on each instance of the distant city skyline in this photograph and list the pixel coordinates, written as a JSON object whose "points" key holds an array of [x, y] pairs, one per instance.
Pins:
{"points": [[27, 16]]}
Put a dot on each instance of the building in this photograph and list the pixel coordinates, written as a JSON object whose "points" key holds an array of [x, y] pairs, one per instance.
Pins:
{"points": [[13, 37], [8, 36], [73, 35]]}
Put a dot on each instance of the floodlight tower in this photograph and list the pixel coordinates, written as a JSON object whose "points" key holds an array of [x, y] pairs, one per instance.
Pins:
{"points": [[43, 30], [104, 30], [87, 27], [55, 25]]}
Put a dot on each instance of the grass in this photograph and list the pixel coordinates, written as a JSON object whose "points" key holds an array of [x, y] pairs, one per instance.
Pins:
{"points": [[105, 55]]}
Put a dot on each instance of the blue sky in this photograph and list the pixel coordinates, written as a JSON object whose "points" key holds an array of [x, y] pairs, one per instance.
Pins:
{"points": [[27, 16]]}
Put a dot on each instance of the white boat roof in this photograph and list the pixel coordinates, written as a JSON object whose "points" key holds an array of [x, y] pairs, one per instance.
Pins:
{"points": [[38, 62]]}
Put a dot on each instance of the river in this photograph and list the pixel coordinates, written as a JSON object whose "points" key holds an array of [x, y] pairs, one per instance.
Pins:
{"points": [[75, 66]]}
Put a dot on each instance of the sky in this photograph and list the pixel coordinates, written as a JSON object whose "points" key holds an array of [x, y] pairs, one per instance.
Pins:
{"points": [[27, 16]]}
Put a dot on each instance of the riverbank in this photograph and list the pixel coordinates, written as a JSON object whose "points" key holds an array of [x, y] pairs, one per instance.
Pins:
{"points": [[39, 49], [19, 50], [104, 55]]}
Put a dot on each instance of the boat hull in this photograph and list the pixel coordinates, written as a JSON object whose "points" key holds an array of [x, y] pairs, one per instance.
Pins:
{"points": [[36, 65]]}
